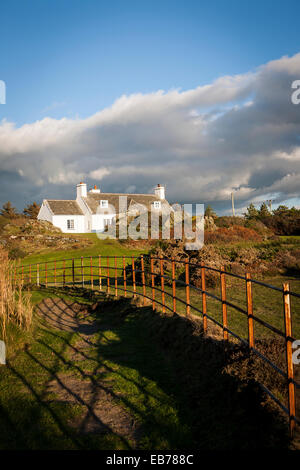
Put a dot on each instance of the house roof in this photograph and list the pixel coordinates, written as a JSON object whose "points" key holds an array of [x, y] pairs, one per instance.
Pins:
{"points": [[64, 207], [93, 201]]}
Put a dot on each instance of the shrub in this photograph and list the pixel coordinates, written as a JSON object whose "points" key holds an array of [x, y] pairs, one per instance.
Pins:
{"points": [[15, 304], [288, 261], [229, 221], [231, 235], [285, 224], [16, 253]]}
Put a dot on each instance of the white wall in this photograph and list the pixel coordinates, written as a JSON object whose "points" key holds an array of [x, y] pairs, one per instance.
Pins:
{"points": [[87, 214], [98, 221], [61, 222], [44, 213]]}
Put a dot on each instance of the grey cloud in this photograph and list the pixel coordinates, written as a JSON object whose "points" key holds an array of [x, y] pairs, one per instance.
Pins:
{"points": [[238, 133]]}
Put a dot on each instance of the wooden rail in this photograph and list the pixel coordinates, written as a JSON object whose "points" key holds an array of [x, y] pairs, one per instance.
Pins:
{"points": [[141, 272]]}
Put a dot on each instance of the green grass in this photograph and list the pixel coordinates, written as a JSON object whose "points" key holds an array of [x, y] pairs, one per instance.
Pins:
{"points": [[290, 238], [179, 399], [63, 258], [28, 421], [139, 372], [268, 304], [99, 247]]}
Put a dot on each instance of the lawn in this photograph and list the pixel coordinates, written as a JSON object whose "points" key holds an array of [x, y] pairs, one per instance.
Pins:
{"points": [[107, 247]]}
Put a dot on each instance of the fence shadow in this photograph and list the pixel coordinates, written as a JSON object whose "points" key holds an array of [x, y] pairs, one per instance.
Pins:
{"points": [[220, 410]]}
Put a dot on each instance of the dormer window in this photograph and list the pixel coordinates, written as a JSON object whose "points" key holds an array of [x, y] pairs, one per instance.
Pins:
{"points": [[103, 203], [157, 204]]}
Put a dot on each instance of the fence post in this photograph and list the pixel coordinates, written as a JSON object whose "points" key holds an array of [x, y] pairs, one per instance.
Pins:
{"points": [[91, 266], [100, 278], [46, 279], [152, 282], [289, 353], [30, 274], [124, 277], [64, 273], [187, 286], [82, 272], [250, 310], [133, 278], [73, 272], [143, 280], [116, 278], [108, 282], [173, 285], [55, 273], [162, 283], [204, 310], [224, 306], [37, 274]]}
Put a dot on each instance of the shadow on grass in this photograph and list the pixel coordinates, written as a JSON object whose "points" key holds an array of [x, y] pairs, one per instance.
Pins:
{"points": [[170, 378]]}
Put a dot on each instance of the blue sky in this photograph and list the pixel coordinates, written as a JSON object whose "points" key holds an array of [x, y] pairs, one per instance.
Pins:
{"points": [[70, 59]]}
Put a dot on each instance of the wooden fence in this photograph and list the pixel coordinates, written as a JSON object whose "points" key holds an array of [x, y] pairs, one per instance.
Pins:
{"points": [[144, 276]]}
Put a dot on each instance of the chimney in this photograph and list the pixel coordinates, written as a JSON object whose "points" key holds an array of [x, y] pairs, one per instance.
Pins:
{"points": [[95, 190], [81, 190], [159, 191]]}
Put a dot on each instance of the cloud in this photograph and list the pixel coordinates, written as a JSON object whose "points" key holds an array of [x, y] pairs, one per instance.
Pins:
{"points": [[99, 174], [240, 133]]}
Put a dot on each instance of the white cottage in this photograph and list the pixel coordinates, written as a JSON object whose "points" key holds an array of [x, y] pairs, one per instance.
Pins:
{"points": [[92, 210]]}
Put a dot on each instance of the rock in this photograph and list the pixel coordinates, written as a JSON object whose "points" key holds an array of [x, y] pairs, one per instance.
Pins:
{"points": [[209, 224]]}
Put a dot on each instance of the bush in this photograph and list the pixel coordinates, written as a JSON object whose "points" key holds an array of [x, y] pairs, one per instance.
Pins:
{"points": [[16, 253], [283, 224], [229, 221], [233, 234], [15, 304], [288, 261]]}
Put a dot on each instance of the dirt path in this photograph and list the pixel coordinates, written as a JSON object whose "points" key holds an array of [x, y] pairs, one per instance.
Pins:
{"points": [[101, 411]]}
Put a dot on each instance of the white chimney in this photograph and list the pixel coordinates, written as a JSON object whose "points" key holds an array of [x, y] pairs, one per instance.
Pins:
{"points": [[81, 190], [95, 190], [159, 191]]}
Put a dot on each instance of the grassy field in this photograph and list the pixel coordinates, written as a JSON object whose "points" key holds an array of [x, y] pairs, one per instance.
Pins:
{"points": [[146, 379], [268, 304], [99, 247]]}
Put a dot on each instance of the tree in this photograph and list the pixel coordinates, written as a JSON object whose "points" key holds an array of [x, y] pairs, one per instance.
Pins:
{"points": [[252, 212], [281, 210], [32, 210], [8, 210], [209, 212], [264, 211]]}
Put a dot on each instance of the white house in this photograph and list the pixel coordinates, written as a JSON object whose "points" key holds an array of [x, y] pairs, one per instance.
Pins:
{"points": [[92, 210]]}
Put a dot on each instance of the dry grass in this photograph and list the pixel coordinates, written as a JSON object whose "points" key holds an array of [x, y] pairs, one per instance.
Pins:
{"points": [[15, 302]]}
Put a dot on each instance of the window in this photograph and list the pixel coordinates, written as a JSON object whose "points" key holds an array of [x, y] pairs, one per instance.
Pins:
{"points": [[157, 204], [70, 224], [103, 203], [107, 222]]}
